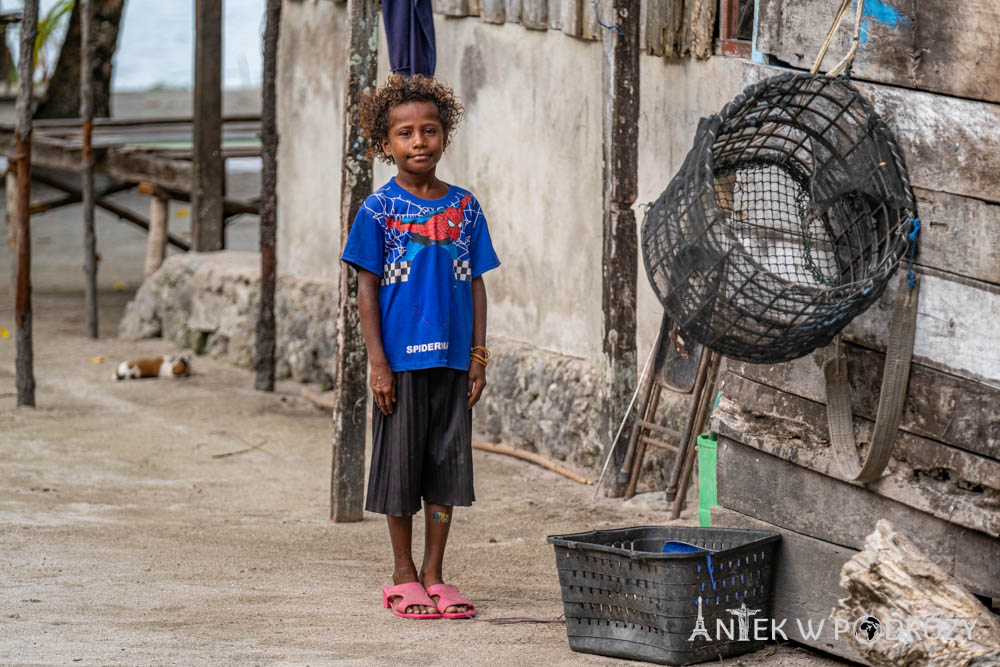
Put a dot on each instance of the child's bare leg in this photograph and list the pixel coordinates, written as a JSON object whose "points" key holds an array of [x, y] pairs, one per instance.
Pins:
{"points": [[404, 570], [438, 522]]}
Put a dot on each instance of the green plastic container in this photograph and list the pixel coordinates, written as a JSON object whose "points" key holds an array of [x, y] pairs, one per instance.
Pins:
{"points": [[707, 496]]}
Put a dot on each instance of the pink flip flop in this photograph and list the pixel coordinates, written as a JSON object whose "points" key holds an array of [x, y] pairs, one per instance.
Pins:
{"points": [[411, 594], [448, 596]]}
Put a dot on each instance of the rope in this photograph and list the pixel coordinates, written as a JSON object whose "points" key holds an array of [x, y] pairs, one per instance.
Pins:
{"points": [[628, 411], [605, 25], [848, 60]]}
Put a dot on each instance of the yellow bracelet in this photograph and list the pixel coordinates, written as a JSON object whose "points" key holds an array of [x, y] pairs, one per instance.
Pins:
{"points": [[478, 359], [485, 353]]}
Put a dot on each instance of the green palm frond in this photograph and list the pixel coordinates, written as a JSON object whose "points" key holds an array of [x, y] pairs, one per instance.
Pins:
{"points": [[47, 24]]}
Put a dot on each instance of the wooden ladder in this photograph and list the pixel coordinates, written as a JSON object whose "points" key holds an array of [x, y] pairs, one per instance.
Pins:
{"points": [[680, 368]]}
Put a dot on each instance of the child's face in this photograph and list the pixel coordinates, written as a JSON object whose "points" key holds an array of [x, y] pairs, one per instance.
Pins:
{"points": [[416, 138]]}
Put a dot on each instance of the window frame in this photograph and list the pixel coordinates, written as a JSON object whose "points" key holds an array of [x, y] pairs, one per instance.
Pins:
{"points": [[729, 45]]}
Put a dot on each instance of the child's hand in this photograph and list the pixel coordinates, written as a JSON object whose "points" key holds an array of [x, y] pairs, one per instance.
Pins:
{"points": [[477, 381], [384, 386]]}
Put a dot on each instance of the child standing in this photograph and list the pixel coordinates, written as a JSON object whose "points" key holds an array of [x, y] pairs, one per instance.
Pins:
{"points": [[420, 246]]}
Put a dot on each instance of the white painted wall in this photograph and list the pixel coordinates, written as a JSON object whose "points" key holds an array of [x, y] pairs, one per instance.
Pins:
{"points": [[529, 148], [675, 95], [312, 55]]}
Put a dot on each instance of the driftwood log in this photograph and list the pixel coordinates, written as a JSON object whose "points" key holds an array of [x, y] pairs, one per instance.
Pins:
{"points": [[922, 615]]}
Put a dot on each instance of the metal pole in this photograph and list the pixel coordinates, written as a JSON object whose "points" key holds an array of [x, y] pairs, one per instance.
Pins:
{"points": [[268, 201], [87, 164], [22, 138]]}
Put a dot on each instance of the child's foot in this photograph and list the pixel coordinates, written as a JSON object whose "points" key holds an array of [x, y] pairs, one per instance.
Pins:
{"points": [[455, 604], [409, 600], [406, 578]]}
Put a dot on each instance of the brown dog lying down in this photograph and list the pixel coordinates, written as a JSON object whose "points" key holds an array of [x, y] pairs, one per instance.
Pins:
{"points": [[165, 366]]}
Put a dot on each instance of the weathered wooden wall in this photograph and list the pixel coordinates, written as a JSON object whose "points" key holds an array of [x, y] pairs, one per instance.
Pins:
{"points": [[946, 46], [950, 146], [930, 69], [669, 28]]}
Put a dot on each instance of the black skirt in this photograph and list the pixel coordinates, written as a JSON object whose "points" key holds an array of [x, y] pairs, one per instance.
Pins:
{"points": [[423, 450]]}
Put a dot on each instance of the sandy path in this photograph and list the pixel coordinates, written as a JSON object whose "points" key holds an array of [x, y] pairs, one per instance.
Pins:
{"points": [[126, 539]]}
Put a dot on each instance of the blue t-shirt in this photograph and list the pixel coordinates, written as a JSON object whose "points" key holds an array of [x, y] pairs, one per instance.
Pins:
{"points": [[427, 253]]}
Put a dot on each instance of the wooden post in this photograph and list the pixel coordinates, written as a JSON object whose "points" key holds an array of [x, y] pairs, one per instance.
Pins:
{"points": [[156, 239], [22, 137], [208, 231], [351, 389], [621, 175], [87, 164], [10, 192], [266, 334]]}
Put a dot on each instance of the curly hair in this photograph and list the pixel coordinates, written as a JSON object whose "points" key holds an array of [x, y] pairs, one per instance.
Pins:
{"points": [[400, 89]]}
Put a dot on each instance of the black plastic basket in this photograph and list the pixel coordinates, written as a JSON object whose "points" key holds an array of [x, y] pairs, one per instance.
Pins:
{"points": [[624, 598], [786, 221]]}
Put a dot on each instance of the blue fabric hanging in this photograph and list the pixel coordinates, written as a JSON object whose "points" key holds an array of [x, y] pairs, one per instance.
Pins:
{"points": [[409, 29]]}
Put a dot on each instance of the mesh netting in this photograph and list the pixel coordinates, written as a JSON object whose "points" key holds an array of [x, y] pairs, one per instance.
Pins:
{"points": [[786, 220]]}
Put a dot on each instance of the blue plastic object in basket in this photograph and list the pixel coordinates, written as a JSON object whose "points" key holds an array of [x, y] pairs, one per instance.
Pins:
{"points": [[625, 597], [678, 547]]}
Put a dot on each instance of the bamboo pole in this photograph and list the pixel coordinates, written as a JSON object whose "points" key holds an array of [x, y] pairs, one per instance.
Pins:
{"points": [[266, 333], [22, 137], [350, 388], [87, 164]]}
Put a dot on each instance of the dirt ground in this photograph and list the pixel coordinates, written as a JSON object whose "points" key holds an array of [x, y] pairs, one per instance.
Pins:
{"points": [[185, 522], [132, 531]]}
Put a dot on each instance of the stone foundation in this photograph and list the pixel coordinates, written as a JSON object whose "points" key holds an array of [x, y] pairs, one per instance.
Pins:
{"points": [[551, 404], [535, 400], [543, 402], [210, 302]]}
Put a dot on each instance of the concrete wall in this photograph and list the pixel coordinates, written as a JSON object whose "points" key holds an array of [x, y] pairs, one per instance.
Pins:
{"points": [[311, 71], [530, 149], [675, 96]]}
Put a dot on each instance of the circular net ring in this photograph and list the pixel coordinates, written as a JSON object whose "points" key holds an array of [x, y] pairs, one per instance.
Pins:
{"points": [[786, 220]]}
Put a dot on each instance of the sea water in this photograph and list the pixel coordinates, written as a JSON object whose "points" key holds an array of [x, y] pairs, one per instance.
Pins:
{"points": [[156, 43]]}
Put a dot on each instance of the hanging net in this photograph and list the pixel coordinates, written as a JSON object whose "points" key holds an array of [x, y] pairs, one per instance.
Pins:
{"points": [[786, 220]]}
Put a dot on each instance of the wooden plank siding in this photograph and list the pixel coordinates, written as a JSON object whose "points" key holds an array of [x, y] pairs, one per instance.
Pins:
{"points": [[493, 11], [807, 580], [947, 46], [957, 328], [668, 28], [942, 481], [795, 498], [950, 144], [940, 406], [535, 14]]}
